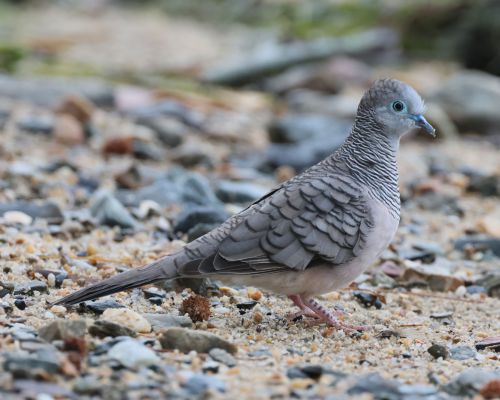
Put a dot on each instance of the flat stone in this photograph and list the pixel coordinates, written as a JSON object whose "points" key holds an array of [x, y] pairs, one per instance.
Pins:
{"points": [[223, 357], [462, 353], [163, 321], [200, 383], [186, 340], [63, 329], [105, 328], [109, 211], [127, 318], [132, 354]]}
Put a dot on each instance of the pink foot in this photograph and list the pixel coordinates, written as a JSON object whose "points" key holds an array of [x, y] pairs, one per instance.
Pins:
{"points": [[304, 310], [331, 318]]}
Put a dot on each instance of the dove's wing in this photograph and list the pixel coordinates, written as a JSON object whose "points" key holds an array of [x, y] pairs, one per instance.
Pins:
{"points": [[311, 219]]}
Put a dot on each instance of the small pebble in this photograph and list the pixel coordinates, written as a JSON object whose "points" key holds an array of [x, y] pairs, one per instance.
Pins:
{"points": [[128, 318], [438, 351]]}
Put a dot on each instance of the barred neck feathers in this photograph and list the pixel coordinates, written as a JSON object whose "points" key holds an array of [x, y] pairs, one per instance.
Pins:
{"points": [[370, 156]]}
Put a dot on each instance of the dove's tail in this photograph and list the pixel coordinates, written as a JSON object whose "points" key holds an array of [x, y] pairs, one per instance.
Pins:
{"points": [[158, 270]]}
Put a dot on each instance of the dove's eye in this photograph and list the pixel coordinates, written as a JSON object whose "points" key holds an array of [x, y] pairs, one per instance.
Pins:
{"points": [[398, 106]]}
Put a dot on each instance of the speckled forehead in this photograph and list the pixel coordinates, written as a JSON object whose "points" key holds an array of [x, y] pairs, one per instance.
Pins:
{"points": [[385, 91]]}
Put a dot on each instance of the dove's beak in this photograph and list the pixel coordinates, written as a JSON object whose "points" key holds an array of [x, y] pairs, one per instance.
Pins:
{"points": [[421, 122]]}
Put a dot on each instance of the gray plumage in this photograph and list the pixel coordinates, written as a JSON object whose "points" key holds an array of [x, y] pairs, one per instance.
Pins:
{"points": [[313, 233]]}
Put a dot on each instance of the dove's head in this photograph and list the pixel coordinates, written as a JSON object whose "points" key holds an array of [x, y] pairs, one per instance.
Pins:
{"points": [[396, 106]]}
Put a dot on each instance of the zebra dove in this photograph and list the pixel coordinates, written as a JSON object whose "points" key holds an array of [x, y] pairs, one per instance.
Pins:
{"points": [[314, 233]]}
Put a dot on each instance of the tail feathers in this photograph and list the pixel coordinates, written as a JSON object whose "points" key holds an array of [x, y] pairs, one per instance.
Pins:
{"points": [[150, 273]]}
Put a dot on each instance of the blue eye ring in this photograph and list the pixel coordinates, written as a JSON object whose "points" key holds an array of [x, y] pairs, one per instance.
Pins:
{"points": [[398, 106]]}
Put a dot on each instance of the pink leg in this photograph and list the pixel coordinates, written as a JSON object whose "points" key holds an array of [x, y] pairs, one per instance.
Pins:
{"points": [[330, 317], [304, 310]]}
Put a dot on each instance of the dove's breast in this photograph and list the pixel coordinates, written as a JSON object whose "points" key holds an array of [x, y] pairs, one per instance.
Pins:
{"points": [[325, 278]]}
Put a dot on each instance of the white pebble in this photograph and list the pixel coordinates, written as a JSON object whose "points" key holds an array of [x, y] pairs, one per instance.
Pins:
{"points": [[17, 217], [128, 318], [51, 280]]}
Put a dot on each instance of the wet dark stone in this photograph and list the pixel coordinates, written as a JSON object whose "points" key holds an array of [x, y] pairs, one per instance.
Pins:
{"points": [[479, 243], [20, 304], [438, 350], [103, 328], [193, 216], [29, 288], [44, 210], [98, 306], [245, 306], [368, 300], [307, 371]]}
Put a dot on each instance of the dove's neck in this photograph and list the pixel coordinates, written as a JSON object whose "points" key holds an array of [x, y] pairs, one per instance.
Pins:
{"points": [[370, 155]]}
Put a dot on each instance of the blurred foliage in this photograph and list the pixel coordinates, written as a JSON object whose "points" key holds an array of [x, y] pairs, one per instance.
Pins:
{"points": [[297, 19], [464, 30], [10, 55]]}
